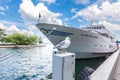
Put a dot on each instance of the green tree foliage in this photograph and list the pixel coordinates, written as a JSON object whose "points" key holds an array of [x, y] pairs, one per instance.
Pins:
{"points": [[18, 38], [21, 39], [40, 40], [2, 34]]}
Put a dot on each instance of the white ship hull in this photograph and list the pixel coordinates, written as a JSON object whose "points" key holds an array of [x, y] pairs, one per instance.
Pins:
{"points": [[85, 44]]}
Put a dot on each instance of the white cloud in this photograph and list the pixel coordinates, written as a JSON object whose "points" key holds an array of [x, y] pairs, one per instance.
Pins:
{"points": [[66, 19], [26, 32], [89, 12], [48, 1], [12, 28], [73, 10], [111, 10], [2, 26], [29, 13], [114, 28], [85, 2], [32, 28], [9, 23], [2, 8], [111, 26], [79, 20], [2, 13], [99, 2], [8, 29], [107, 12], [65, 24]]}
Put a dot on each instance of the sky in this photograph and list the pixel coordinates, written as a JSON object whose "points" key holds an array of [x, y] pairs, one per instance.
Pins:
{"points": [[22, 15]]}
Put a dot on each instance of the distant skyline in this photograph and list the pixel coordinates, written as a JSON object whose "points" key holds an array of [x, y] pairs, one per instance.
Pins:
{"points": [[22, 15]]}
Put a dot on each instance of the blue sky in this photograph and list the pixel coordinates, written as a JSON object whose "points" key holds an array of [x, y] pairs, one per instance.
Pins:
{"points": [[22, 15]]}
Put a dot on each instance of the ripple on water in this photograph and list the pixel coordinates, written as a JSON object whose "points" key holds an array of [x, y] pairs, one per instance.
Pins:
{"points": [[26, 64]]}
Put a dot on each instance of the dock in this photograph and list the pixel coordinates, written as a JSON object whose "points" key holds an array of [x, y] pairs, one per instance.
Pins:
{"points": [[21, 46], [109, 69], [117, 71], [64, 66]]}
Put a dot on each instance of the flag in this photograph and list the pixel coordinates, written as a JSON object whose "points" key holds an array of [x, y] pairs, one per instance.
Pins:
{"points": [[39, 15]]}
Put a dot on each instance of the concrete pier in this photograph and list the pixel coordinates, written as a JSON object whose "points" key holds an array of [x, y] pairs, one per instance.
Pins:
{"points": [[109, 69], [117, 70], [21, 46], [63, 66]]}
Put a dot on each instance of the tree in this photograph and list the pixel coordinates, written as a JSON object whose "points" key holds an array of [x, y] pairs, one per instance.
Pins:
{"points": [[18, 38], [21, 39], [2, 34], [40, 40]]}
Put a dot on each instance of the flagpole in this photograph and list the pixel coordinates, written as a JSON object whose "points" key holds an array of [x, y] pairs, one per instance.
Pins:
{"points": [[38, 20]]}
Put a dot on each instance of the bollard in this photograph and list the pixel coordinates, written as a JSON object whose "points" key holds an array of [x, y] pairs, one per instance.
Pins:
{"points": [[63, 66]]}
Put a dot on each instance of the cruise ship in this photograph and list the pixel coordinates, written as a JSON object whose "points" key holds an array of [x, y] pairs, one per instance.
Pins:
{"points": [[88, 42]]}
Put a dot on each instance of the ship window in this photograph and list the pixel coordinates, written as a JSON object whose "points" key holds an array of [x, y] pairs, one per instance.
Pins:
{"points": [[44, 31], [111, 37], [110, 46], [95, 45], [61, 33], [105, 35], [103, 27]]}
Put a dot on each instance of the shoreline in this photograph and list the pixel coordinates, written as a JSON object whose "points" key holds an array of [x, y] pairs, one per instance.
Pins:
{"points": [[20, 46]]}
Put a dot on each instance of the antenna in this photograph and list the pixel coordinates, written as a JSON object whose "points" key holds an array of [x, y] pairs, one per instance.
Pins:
{"points": [[92, 19]]}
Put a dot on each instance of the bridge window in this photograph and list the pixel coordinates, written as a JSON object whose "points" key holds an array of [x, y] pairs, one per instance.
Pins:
{"points": [[61, 33], [44, 31]]}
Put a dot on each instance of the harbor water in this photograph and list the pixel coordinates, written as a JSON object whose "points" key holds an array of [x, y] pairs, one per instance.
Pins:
{"points": [[34, 63]]}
